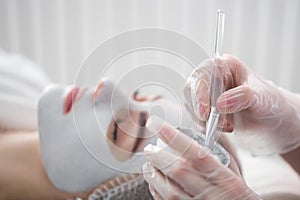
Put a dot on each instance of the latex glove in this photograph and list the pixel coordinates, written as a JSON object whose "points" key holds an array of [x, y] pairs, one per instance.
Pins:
{"points": [[265, 116], [21, 84], [189, 171]]}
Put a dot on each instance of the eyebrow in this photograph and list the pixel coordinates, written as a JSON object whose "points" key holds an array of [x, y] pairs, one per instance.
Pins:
{"points": [[141, 131]]}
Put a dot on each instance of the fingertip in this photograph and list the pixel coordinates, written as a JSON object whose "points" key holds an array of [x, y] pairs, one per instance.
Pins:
{"points": [[148, 172], [161, 128], [227, 128], [235, 100], [155, 124], [222, 104], [151, 149], [203, 100], [203, 152], [225, 123], [204, 111]]}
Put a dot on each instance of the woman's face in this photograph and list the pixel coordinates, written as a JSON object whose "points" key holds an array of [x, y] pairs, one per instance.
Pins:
{"points": [[124, 129]]}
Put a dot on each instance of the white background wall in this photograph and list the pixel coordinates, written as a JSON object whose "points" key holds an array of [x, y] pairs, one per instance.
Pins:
{"points": [[59, 34]]}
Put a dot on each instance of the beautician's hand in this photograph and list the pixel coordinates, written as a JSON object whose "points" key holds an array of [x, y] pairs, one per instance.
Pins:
{"points": [[189, 171], [265, 116]]}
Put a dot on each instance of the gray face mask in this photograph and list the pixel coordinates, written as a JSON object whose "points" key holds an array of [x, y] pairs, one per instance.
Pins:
{"points": [[77, 151], [128, 186]]}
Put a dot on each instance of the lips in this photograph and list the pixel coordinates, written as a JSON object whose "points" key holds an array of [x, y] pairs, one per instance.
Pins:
{"points": [[74, 95], [70, 99]]}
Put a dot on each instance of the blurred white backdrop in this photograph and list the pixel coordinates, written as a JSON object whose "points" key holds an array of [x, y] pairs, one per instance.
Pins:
{"points": [[59, 34]]}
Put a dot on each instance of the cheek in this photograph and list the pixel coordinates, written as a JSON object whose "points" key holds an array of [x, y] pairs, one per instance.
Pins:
{"points": [[128, 128], [127, 136], [121, 148]]}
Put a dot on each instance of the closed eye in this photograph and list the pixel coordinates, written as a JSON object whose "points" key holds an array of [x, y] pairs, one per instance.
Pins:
{"points": [[115, 131], [141, 131]]}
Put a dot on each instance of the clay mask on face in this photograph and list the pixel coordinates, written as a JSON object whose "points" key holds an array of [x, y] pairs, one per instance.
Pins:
{"points": [[88, 136]]}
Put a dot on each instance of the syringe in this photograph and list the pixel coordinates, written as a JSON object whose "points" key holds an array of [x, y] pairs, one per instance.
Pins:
{"points": [[216, 86]]}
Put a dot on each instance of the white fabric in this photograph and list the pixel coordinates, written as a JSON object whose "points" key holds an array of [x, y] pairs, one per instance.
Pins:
{"points": [[269, 174], [21, 83]]}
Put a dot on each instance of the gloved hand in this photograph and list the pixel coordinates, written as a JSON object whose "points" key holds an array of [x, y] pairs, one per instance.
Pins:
{"points": [[265, 117], [189, 171]]}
